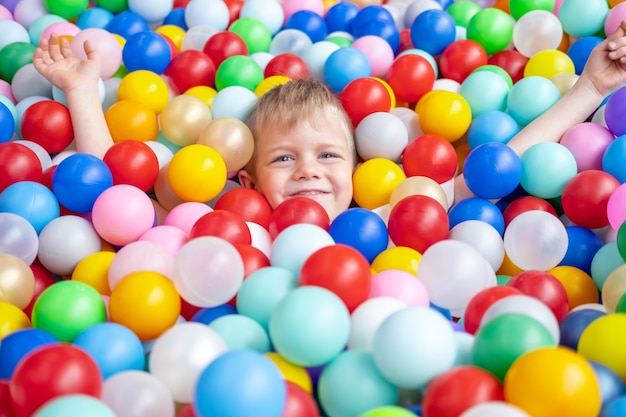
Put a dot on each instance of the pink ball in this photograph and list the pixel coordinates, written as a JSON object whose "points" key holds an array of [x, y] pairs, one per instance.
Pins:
{"points": [[614, 18], [377, 51], [292, 6], [140, 256], [105, 43], [122, 213], [185, 215], [557, 6], [60, 28], [170, 237], [7, 91], [399, 284], [5, 13], [616, 207], [587, 142]]}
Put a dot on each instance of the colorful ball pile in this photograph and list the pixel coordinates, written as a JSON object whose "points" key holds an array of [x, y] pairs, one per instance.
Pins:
{"points": [[150, 283]]}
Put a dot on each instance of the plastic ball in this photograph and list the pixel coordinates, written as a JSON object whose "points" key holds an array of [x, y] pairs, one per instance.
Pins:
{"points": [[133, 163], [106, 45], [610, 160], [286, 254], [7, 123], [120, 392], [491, 126], [345, 65], [18, 344], [270, 14], [184, 216], [381, 135], [483, 237], [183, 118], [219, 389], [611, 386], [585, 198], [191, 68], [339, 16], [432, 31], [238, 70], [197, 173], [526, 37], [364, 96], [546, 169], [93, 271], [430, 156], [400, 285], [477, 209], [374, 181], [248, 203], [48, 124], [494, 409], [600, 339], [13, 319], [361, 229], [146, 87], [309, 22], [615, 206], [511, 61], [254, 32], [582, 248], [207, 12], [241, 332], [492, 28], [18, 163], [34, 203], [523, 204], [235, 101], [571, 12], [223, 45], [146, 50], [133, 304], [545, 287], [588, 143], [574, 324], [460, 58], [297, 210], [129, 119], [473, 90], [368, 317], [17, 281], [480, 302], [15, 56], [446, 114], [549, 63], [94, 17], [286, 64], [492, 170], [299, 402], [139, 256], [410, 70], [530, 97], [223, 224]]}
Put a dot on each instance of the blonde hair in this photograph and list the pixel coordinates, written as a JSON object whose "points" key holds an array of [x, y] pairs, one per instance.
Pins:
{"points": [[286, 105]]}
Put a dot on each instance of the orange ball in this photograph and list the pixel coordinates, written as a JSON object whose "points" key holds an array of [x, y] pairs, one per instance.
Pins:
{"points": [[129, 119], [579, 286]]}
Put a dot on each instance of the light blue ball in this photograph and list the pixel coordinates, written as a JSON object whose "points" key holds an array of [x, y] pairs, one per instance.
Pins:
{"points": [[94, 17], [413, 346], [262, 290], [605, 261], [485, 91], [12, 32], [492, 126], [546, 168], [352, 384], [269, 12], [32, 201], [530, 97], [233, 101], [115, 348], [310, 326], [296, 243], [613, 159], [241, 332], [315, 57], [213, 13], [345, 65], [75, 405], [583, 17], [292, 41], [39, 25]]}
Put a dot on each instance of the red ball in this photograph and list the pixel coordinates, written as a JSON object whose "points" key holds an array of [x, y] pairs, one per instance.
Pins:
{"points": [[223, 45], [299, 403], [132, 162], [287, 64], [234, 7], [186, 411], [460, 58], [173, 48], [43, 279], [18, 163], [6, 410], [511, 61], [481, 302], [248, 203], [545, 287], [524, 204], [585, 198], [297, 210], [458, 389], [224, 224], [410, 76], [253, 258], [180, 3], [48, 123], [340, 269], [50, 372], [187, 310], [406, 42], [364, 96], [418, 221], [191, 68], [430, 156]]}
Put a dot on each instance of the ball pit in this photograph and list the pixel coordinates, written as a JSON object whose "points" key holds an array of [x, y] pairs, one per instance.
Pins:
{"points": [[151, 273]]}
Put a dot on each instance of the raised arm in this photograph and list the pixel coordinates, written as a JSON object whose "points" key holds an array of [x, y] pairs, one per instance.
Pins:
{"points": [[78, 79]]}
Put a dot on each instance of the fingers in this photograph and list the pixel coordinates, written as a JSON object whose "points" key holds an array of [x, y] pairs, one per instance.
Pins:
{"points": [[92, 53]]}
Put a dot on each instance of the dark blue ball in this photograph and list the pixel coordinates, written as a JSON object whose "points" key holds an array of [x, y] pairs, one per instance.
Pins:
{"points": [[477, 209], [361, 229], [580, 50], [573, 325], [146, 50], [176, 17], [18, 344], [583, 246], [308, 22], [492, 170], [207, 315], [127, 23], [339, 16], [432, 31]]}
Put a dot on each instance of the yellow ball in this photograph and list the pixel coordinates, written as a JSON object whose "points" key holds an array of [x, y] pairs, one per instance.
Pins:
{"points": [[392, 95], [197, 173], [146, 302], [374, 181], [269, 83], [203, 92], [131, 120], [292, 372], [446, 114], [398, 257], [604, 341], [173, 32], [553, 381], [548, 63], [93, 270], [579, 286], [145, 87], [12, 319]]}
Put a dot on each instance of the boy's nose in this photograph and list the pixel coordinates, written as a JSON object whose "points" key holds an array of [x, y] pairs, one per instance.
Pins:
{"points": [[306, 168]]}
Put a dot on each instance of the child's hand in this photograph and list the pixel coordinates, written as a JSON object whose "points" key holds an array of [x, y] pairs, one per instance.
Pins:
{"points": [[606, 65], [56, 62]]}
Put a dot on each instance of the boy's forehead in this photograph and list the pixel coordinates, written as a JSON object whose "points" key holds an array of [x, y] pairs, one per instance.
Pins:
{"points": [[322, 130]]}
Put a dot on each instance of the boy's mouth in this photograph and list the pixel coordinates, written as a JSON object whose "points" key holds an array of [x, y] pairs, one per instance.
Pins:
{"points": [[308, 193]]}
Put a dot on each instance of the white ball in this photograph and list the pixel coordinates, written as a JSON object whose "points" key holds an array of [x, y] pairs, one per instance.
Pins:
{"points": [[315, 57], [367, 318], [122, 391], [481, 236], [212, 13], [269, 12], [381, 135]]}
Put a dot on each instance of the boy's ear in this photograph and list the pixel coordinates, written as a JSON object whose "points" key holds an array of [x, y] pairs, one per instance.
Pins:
{"points": [[246, 180]]}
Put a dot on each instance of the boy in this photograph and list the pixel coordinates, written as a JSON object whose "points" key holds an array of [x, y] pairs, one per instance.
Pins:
{"points": [[316, 159]]}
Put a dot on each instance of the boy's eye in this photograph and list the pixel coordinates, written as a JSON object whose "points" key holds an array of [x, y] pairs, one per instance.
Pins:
{"points": [[282, 158], [327, 155]]}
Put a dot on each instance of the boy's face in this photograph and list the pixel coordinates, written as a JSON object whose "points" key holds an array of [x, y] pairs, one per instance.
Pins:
{"points": [[311, 161]]}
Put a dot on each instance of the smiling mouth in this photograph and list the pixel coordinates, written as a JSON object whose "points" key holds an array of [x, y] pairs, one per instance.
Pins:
{"points": [[308, 193]]}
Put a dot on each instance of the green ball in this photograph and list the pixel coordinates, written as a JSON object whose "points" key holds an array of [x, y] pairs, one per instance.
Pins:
{"points": [[388, 411], [68, 9], [238, 70], [621, 240], [254, 33], [498, 70], [13, 57], [492, 28], [519, 8], [114, 6], [67, 308], [340, 41], [463, 11], [621, 304], [502, 340], [503, 279]]}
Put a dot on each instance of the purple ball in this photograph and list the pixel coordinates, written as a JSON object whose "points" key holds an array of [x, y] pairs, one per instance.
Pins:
{"points": [[614, 112]]}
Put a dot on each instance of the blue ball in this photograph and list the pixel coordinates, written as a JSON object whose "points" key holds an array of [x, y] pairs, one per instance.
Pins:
{"points": [[308, 22], [492, 170], [614, 408], [127, 23], [369, 13], [345, 65], [491, 126], [32, 201], [240, 383], [477, 209], [79, 179], [339, 17], [176, 17], [207, 315], [94, 17], [361, 229], [18, 344], [146, 50], [583, 246], [580, 50], [611, 385], [382, 28], [7, 123], [614, 157], [433, 30], [573, 325], [115, 348]]}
